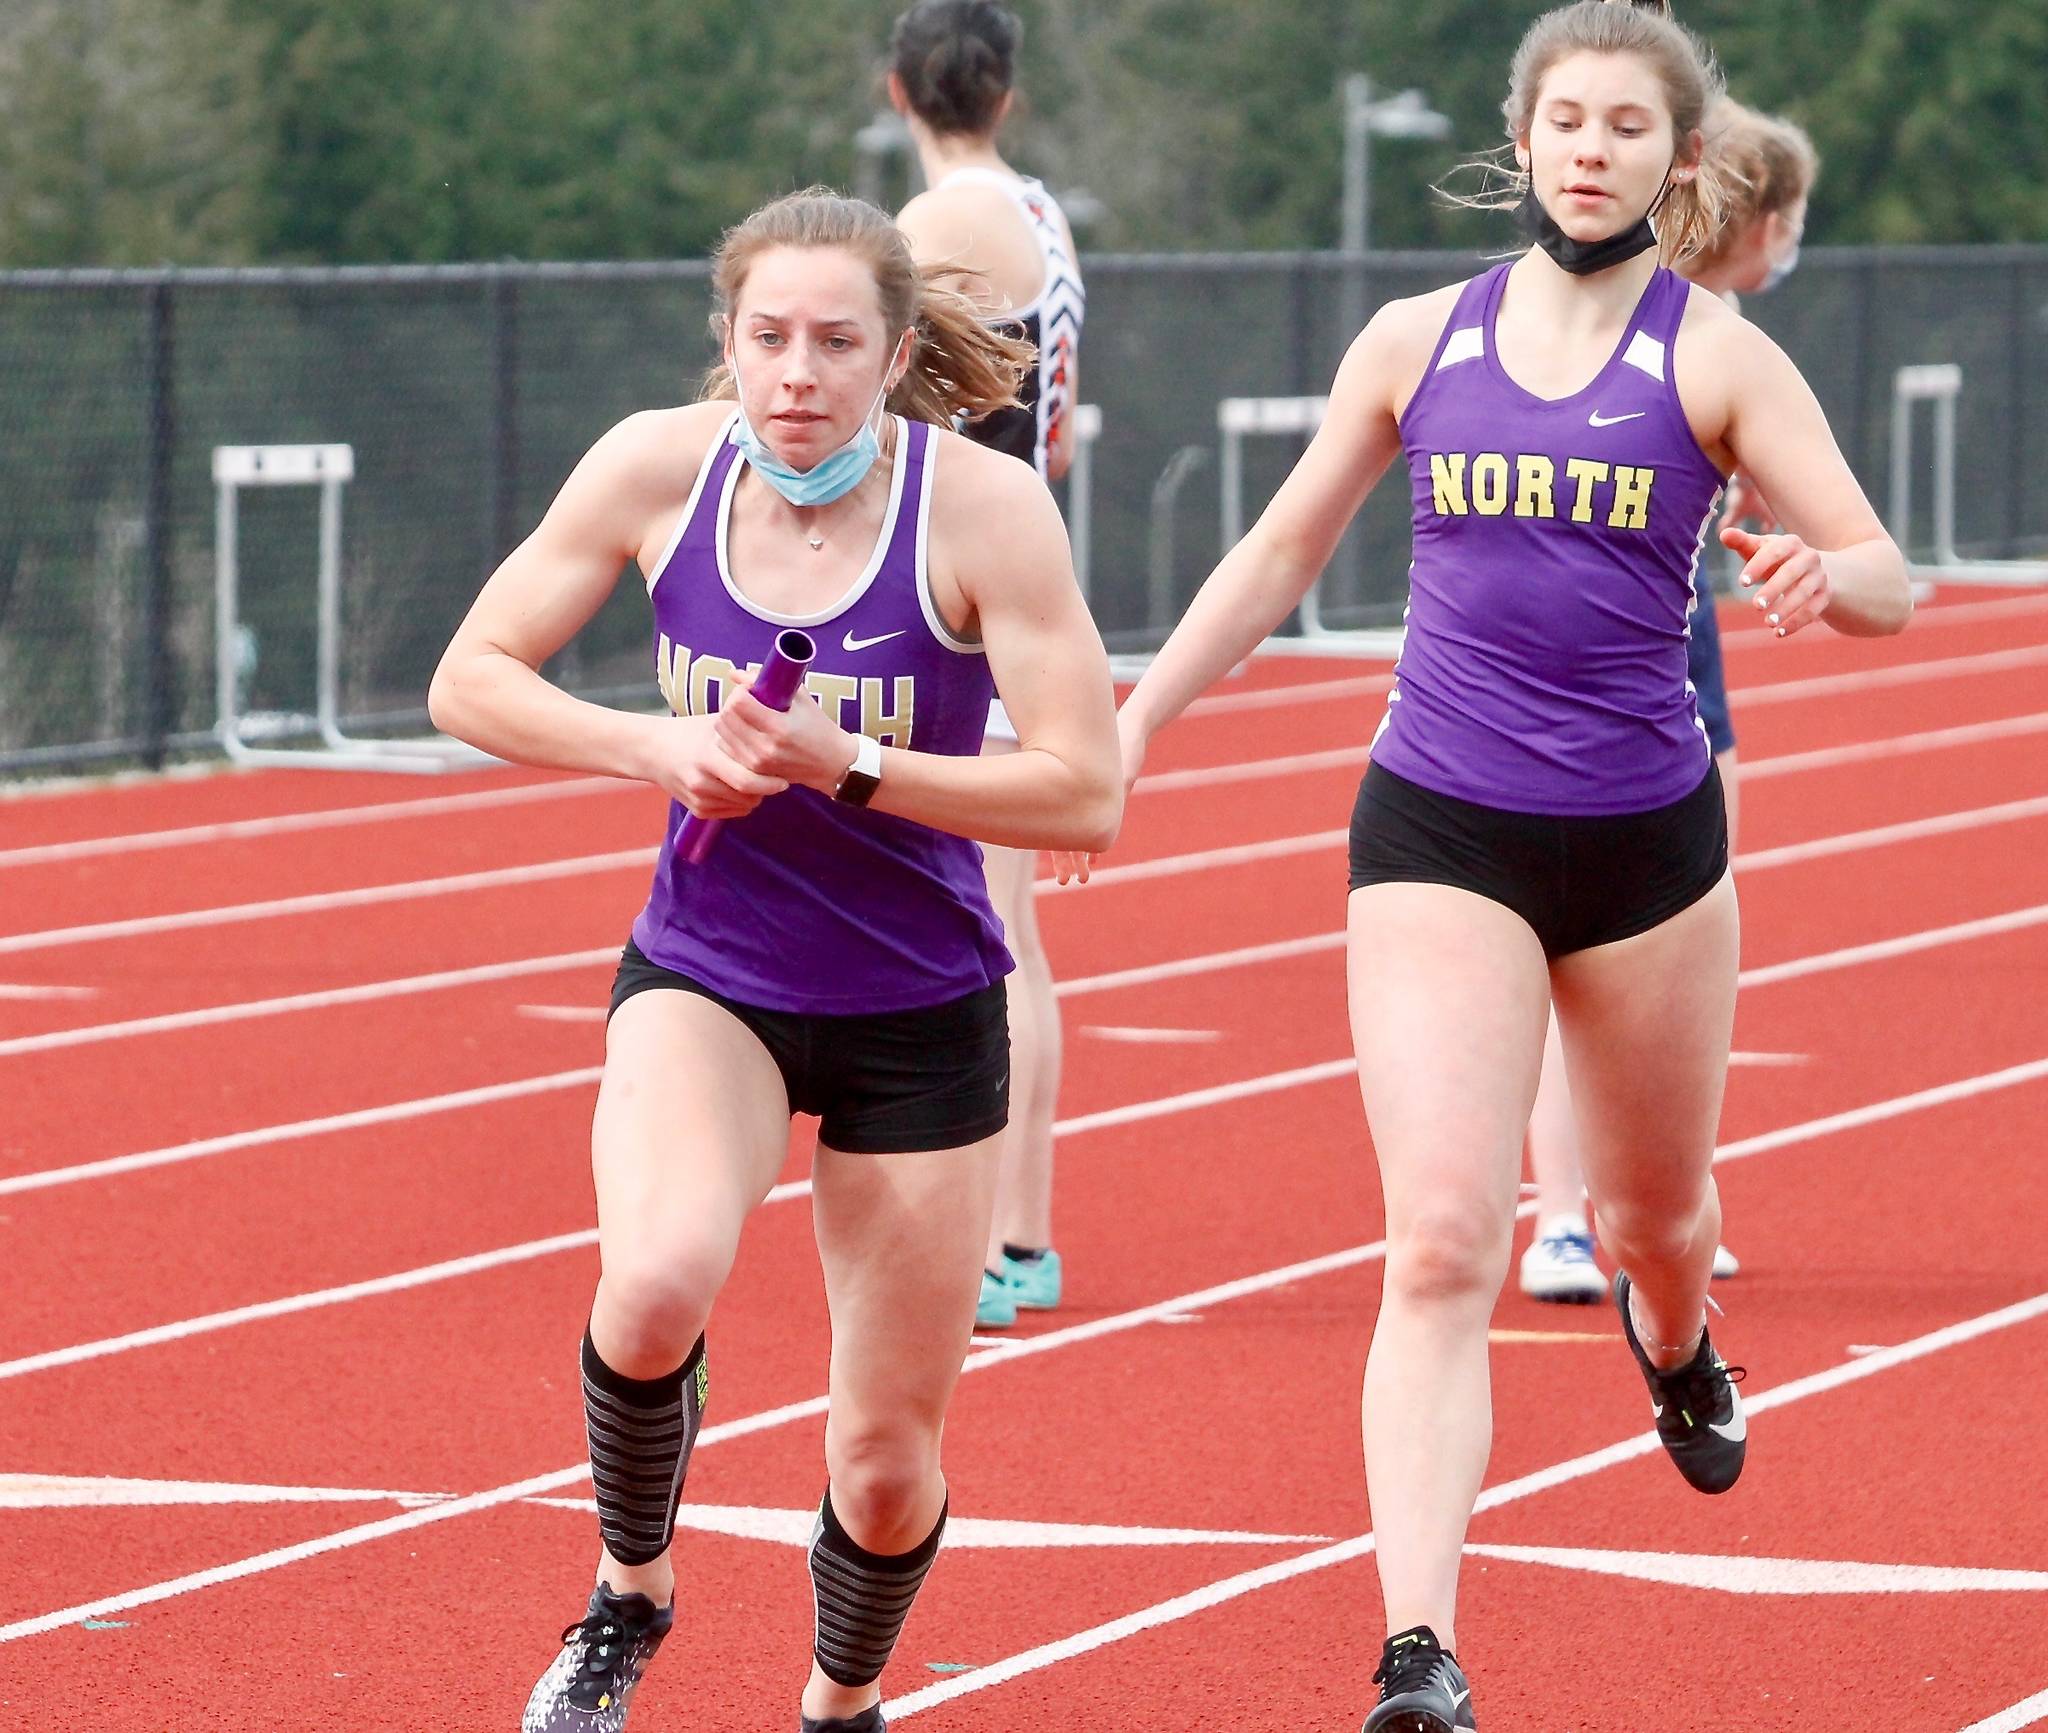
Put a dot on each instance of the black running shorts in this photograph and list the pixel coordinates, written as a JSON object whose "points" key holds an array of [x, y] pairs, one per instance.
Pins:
{"points": [[937, 1077], [1578, 882]]}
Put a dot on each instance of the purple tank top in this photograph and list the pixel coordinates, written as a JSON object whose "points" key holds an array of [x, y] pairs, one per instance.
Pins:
{"points": [[807, 904], [1544, 669]]}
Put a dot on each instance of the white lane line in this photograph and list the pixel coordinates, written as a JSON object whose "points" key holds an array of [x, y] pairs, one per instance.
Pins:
{"points": [[280, 824], [1252, 769], [1905, 944], [1937, 614], [1748, 1574], [2028, 1714], [565, 1013], [1753, 769], [1882, 751], [1278, 697], [322, 902], [1897, 674], [464, 1098], [1256, 769], [1145, 1034], [1769, 1059], [1216, 961], [1313, 691], [1165, 866], [99, 1492], [27, 991], [454, 1101], [327, 998], [1912, 830], [1023, 1348], [478, 1263], [1578, 1468]]}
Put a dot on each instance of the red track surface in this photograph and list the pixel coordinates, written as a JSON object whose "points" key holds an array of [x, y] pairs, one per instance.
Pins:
{"points": [[1154, 1401]]}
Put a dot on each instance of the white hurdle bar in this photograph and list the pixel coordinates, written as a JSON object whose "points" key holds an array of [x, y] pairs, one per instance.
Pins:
{"points": [[1240, 418], [330, 468], [1940, 383]]}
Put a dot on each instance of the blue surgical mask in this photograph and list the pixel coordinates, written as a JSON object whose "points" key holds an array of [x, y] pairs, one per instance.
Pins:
{"points": [[1779, 271], [832, 477]]}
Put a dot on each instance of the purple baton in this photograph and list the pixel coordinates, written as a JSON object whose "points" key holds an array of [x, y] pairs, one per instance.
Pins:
{"points": [[775, 686]]}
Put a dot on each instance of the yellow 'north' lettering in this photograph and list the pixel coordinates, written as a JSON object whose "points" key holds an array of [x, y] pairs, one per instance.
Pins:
{"points": [[703, 671], [671, 662], [889, 727], [1490, 484], [1533, 475], [1631, 509], [1447, 482], [833, 693], [1585, 472]]}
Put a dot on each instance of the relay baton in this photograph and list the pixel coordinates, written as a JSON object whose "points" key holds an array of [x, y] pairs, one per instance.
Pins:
{"points": [[776, 685]]}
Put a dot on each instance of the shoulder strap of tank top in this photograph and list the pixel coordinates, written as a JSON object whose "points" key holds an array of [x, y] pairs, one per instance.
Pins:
{"points": [[901, 554], [1463, 337], [1654, 327], [700, 518]]}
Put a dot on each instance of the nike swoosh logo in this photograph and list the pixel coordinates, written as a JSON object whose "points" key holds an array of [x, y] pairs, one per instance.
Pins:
{"points": [[1459, 1699], [1599, 420], [1737, 1428], [850, 643]]}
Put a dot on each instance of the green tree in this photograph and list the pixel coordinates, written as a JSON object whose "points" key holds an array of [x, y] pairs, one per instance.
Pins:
{"points": [[132, 135]]}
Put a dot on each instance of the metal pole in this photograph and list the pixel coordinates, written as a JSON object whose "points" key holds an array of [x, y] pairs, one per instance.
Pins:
{"points": [[327, 695], [1354, 92], [504, 412], [1165, 495], [163, 445], [226, 625]]}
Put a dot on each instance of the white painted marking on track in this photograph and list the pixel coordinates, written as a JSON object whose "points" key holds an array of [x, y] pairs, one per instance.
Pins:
{"points": [[325, 902], [273, 1134], [1892, 674], [28, 991], [362, 994], [1284, 1276], [458, 1100], [284, 823], [1858, 1349], [1896, 746], [2028, 1714], [794, 1528], [1143, 1036], [574, 866], [1720, 1574], [1912, 830], [565, 1013], [1544, 1338], [1343, 1552], [1738, 1057], [96, 1492]]}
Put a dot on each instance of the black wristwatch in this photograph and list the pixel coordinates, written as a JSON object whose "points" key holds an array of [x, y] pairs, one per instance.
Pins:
{"points": [[864, 775]]}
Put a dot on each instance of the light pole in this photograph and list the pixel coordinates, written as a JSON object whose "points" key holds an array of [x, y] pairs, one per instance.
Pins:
{"points": [[1405, 114]]}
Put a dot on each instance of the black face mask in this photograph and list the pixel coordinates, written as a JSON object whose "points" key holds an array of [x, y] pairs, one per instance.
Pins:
{"points": [[1583, 258]]}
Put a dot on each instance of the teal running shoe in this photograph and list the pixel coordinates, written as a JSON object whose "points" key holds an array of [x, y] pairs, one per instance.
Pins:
{"points": [[997, 1308], [1034, 1284]]}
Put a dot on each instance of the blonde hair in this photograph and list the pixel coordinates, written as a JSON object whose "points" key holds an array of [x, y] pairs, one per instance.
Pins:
{"points": [[1769, 164], [958, 365], [1689, 215]]}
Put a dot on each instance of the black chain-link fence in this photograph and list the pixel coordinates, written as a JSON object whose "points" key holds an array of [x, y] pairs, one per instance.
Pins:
{"points": [[468, 393]]}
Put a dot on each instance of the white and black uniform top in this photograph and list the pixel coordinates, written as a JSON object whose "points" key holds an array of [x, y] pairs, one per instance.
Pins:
{"points": [[1051, 322]]}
